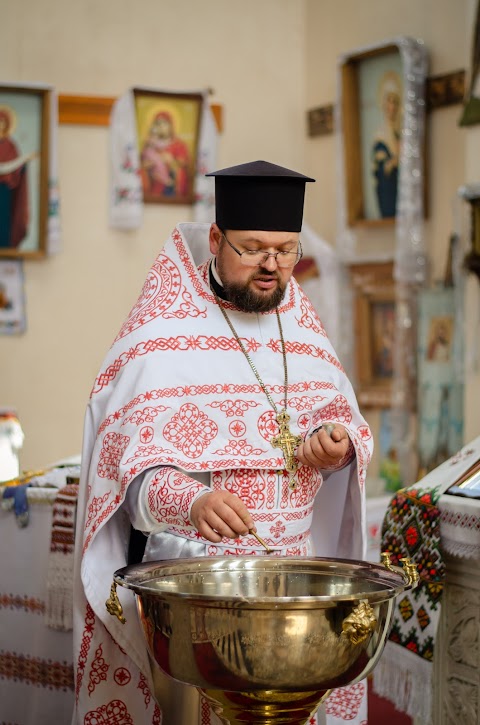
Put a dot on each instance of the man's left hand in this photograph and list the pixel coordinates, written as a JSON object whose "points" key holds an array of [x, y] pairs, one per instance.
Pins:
{"points": [[323, 451]]}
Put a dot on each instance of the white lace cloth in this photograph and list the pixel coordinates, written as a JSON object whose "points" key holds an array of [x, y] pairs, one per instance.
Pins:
{"points": [[460, 526], [36, 662]]}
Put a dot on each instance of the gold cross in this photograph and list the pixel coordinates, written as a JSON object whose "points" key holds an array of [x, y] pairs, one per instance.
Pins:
{"points": [[287, 442]]}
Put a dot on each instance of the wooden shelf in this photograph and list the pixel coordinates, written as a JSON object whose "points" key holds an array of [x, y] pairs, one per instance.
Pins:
{"points": [[95, 110]]}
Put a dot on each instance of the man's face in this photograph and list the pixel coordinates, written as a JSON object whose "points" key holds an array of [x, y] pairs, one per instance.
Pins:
{"points": [[252, 289]]}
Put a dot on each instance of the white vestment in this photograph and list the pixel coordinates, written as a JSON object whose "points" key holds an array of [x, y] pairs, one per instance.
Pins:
{"points": [[176, 398]]}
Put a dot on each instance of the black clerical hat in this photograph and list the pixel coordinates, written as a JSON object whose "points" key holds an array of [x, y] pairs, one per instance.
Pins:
{"points": [[259, 195]]}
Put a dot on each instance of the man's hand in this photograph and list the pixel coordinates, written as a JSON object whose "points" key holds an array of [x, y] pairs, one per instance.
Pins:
{"points": [[220, 514], [323, 451]]}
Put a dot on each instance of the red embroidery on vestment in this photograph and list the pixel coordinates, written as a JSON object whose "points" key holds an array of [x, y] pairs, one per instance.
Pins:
{"points": [[237, 428], [190, 430], [305, 403], [302, 348], [202, 290], [309, 318], [345, 702], [277, 530], [303, 421], [98, 670], [157, 716], [189, 391], [338, 410], [113, 448], [118, 498], [187, 308], [94, 507], [363, 456], [268, 426], [364, 432], [297, 515], [87, 637], [233, 407], [115, 643], [169, 496], [309, 482], [115, 713], [253, 487], [161, 344], [122, 676], [205, 712], [146, 434], [135, 470], [143, 686], [143, 451], [161, 290], [147, 415], [236, 448]]}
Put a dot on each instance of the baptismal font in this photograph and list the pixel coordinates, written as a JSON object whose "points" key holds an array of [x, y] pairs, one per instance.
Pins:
{"points": [[264, 639]]}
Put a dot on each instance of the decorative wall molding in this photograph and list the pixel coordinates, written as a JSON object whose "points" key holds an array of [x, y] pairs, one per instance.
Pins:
{"points": [[95, 110]]}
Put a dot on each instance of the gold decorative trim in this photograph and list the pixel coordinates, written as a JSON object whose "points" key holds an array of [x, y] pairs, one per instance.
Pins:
{"points": [[410, 573], [360, 624], [113, 604], [95, 110]]}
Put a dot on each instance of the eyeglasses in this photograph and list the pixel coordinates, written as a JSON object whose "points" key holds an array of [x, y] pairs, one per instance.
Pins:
{"points": [[256, 258]]}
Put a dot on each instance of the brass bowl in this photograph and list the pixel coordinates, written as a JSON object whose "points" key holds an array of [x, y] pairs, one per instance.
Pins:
{"points": [[276, 628]]}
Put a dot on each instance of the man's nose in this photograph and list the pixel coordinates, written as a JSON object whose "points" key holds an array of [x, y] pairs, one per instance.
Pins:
{"points": [[271, 261]]}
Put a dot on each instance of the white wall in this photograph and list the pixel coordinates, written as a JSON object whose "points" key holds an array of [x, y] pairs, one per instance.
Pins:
{"points": [[251, 53], [337, 27], [268, 61]]}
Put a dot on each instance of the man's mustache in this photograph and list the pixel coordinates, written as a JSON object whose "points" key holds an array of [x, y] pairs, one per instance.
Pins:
{"points": [[266, 274]]}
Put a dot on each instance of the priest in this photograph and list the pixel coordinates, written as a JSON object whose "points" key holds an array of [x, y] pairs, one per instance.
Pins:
{"points": [[221, 422]]}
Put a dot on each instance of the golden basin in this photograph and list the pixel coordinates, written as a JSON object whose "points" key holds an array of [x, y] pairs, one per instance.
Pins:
{"points": [[265, 638]]}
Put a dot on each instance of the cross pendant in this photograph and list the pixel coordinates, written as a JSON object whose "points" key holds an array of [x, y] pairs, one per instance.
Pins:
{"points": [[287, 442]]}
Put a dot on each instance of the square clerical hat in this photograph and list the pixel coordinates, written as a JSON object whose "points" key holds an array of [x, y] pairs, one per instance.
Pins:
{"points": [[259, 195]]}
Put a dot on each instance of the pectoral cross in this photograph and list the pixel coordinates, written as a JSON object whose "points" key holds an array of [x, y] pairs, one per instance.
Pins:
{"points": [[287, 442]]}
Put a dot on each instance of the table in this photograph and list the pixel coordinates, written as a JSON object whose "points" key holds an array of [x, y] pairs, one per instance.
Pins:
{"points": [[36, 662], [457, 654], [376, 507]]}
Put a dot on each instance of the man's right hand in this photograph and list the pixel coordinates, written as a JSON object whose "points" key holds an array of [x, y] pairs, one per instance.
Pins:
{"points": [[221, 514]]}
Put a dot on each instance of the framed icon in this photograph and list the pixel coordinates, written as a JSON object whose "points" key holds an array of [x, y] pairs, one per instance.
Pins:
{"points": [[168, 128], [24, 158]]}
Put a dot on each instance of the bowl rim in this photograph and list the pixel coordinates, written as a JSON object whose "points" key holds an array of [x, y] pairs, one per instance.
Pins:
{"points": [[137, 577]]}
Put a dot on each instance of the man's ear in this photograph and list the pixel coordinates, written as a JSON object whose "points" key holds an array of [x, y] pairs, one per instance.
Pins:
{"points": [[214, 239]]}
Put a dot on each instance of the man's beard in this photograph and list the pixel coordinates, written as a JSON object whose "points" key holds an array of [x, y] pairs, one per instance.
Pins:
{"points": [[242, 296]]}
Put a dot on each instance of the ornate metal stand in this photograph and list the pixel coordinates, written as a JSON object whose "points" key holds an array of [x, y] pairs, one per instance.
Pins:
{"points": [[267, 707]]}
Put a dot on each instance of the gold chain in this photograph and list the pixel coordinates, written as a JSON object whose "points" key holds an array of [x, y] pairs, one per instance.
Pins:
{"points": [[285, 440], [249, 359]]}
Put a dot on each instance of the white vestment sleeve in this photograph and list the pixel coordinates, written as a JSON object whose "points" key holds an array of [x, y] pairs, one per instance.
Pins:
{"points": [[140, 499]]}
